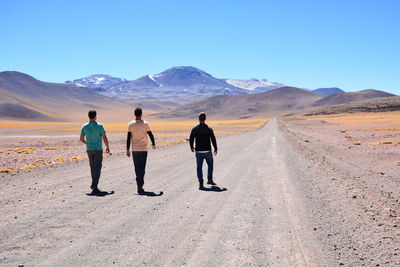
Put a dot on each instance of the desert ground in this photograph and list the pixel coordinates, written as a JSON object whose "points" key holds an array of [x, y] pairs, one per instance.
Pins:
{"points": [[26, 145], [299, 191]]}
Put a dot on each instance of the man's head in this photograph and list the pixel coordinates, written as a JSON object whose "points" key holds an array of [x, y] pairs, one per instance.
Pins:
{"points": [[202, 117], [138, 112], [92, 114]]}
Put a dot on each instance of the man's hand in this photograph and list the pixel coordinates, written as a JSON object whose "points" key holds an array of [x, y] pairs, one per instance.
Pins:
{"points": [[215, 152], [128, 153], [107, 150], [153, 146], [192, 149], [82, 139]]}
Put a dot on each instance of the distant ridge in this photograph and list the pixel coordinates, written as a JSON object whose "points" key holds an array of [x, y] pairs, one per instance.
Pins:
{"points": [[275, 102], [384, 104], [351, 96], [24, 97], [328, 91]]}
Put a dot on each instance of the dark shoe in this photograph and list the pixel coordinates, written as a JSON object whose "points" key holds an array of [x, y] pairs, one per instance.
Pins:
{"points": [[96, 191], [211, 182], [94, 188], [140, 190], [201, 184]]}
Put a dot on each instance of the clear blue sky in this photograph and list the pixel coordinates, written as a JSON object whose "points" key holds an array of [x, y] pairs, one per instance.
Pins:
{"points": [[352, 44]]}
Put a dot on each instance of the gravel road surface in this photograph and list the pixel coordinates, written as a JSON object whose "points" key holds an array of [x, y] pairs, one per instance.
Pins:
{"points": [[264, 212]]}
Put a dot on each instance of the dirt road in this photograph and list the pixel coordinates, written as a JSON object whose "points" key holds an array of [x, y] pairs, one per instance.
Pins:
{"points": [[267, 216]]}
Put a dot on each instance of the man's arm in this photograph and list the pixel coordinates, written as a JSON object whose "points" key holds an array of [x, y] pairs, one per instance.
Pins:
{"points": [[82, 139], [191, 140], [128, 143], [214, 142], [153, 142], [105, 139]]}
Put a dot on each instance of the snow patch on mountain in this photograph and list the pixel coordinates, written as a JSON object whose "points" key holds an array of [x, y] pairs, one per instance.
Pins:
{"points": [[154, 80], [254, 84], [97, 81]]}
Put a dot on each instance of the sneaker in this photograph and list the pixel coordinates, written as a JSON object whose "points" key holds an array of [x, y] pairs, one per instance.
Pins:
{"points": [[201, 186], [211, 182], [96, 191], [140, 190]]}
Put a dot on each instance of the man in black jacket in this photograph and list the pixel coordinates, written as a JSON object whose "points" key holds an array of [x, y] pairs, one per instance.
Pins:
{"points": [[202, 135]]}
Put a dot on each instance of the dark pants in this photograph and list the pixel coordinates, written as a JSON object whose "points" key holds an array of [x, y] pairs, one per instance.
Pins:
{"points": [[200, 157], [139, 160], [95, 161]]}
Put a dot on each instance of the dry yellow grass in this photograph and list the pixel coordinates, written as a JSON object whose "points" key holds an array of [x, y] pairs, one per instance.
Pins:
{"points": [[59, 159], [6, 170], [21, 150], [78, 157], [30, 165], [365, 126], [55, 151], [390, 134], [159, 128], [365, 118], [370, 130], [385, 143], [8, 124]]}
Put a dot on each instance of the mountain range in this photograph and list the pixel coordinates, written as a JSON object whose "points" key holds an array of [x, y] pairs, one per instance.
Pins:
{"points": [[177, 83], [183, 83], [282, 101], [274, 102], [24, 97], [350, 97], [179, 92]]}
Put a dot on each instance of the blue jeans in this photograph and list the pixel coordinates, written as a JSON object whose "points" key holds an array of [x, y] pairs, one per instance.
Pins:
{"points": [[200, 157], [139, 160]]}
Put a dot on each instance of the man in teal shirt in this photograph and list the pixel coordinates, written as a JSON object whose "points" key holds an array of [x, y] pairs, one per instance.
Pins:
{"points": [[92, 134]]}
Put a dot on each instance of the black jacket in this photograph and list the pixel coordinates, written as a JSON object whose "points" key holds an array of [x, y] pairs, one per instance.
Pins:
{"points": [[202, 134]]}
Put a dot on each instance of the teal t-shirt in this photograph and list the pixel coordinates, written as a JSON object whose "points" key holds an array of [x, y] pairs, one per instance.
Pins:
{"points": [[93, 131]]}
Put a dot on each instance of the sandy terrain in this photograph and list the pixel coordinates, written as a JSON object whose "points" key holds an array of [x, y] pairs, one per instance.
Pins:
{"points": [[287, 202], [372, 136], [358, 181]]}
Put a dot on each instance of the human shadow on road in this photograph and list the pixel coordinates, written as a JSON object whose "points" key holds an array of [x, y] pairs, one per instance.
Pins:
{"points": [[101, 194], [151, 194], [214, 189]]}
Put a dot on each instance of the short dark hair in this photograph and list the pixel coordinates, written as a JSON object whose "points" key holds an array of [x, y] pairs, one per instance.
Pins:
{"points": [[202, 116], [92, 114], [138, 112]]}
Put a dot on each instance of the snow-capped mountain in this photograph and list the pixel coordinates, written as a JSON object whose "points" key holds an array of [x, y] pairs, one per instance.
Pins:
{"points": [[254, 85], [182, 82], [190, 77], [99, 82]]}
